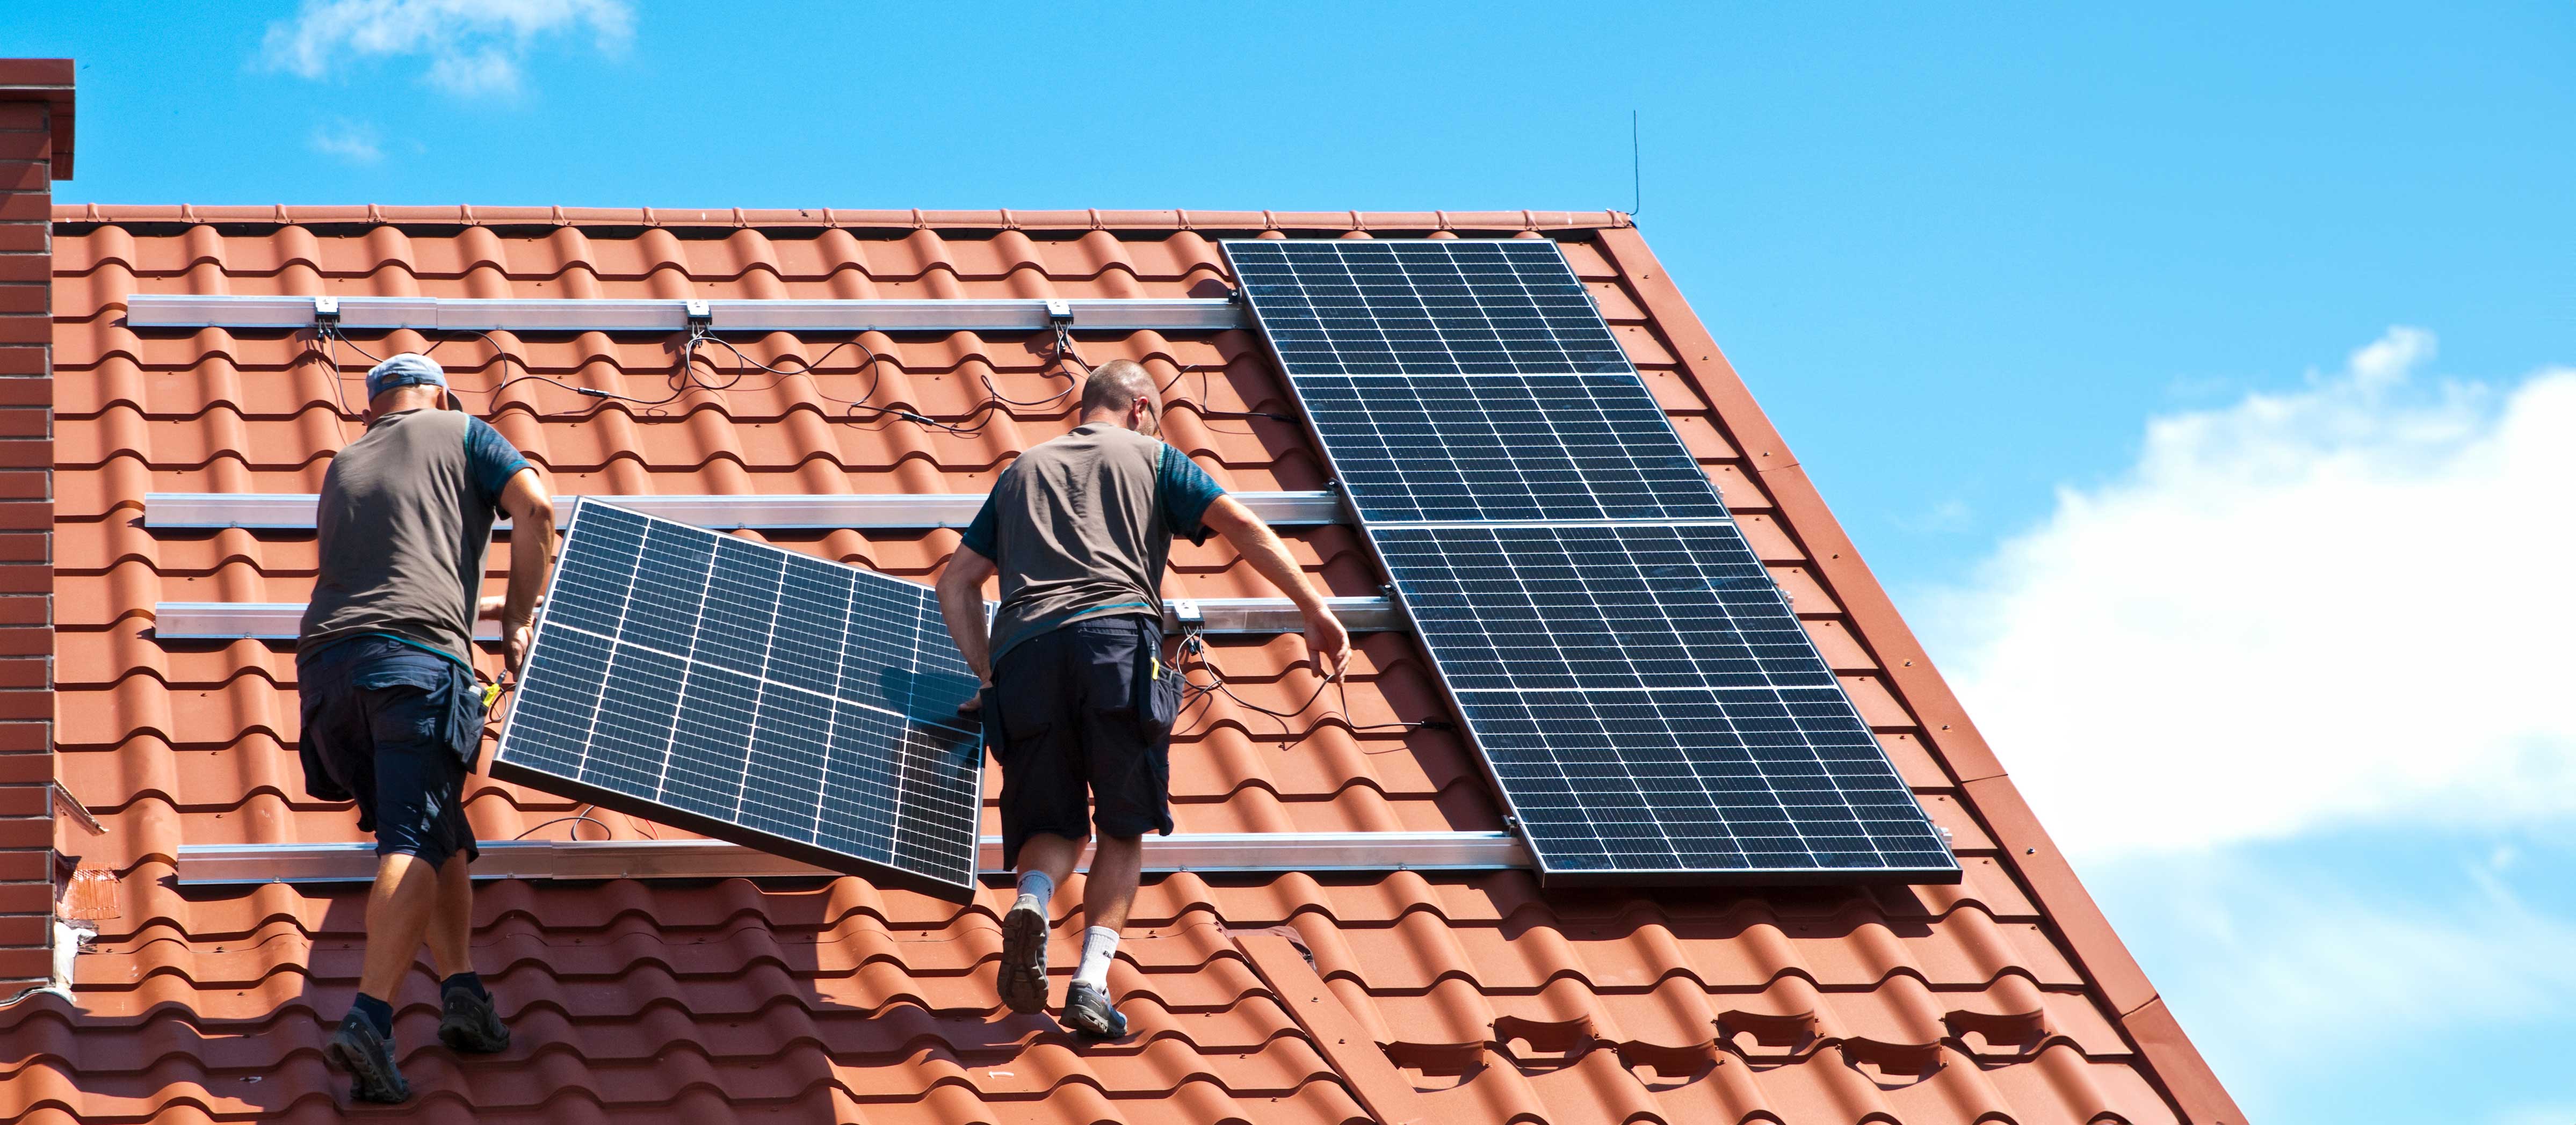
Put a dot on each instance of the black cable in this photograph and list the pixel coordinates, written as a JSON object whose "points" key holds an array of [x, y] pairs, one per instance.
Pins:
{"points": [[580, 816], [1196, 694]]}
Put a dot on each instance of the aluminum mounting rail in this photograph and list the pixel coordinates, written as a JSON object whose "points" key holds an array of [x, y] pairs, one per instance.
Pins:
{"points": [[293, 511], [202, 864], [965, 314], [277, 621]]}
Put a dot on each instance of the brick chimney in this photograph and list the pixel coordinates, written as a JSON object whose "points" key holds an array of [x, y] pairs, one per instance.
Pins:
{"points": [[35, 150]]}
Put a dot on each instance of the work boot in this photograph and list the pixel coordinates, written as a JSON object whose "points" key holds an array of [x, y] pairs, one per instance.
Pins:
{"points": [[1088, 1012], [1024, 952], [369, 1059], [472, 1023]]}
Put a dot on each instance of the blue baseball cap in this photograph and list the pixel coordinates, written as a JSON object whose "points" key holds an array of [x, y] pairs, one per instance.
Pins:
{"points": [[404, 370]]}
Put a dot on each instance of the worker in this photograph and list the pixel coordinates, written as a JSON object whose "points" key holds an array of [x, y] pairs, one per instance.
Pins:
{"points": [[1076, 696], [384, 668]]}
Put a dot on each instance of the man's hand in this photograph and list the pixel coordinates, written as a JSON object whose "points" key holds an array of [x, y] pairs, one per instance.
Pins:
{"points": [[514, 644], [1328, 643]]}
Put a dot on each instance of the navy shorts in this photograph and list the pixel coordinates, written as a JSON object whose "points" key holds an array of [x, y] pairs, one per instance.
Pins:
{"points": [[1083, 708], [394, 728]]}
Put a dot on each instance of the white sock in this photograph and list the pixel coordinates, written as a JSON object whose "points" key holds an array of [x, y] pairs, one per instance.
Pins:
{"points": [[1099, 948], [1037, 883]]}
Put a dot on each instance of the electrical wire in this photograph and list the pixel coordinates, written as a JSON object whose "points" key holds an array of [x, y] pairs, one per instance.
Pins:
{"points": [[1194, 694], [1207, 415], [579, 817]]}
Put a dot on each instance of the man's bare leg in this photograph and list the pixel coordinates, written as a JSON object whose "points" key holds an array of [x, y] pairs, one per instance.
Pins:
{"points": [[1109, 888], [451, 926], [399, 908], [1046, 861]]}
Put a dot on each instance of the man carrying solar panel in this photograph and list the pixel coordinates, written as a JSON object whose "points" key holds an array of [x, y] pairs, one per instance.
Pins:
{"points": [[392, 716], [1076, 697]]}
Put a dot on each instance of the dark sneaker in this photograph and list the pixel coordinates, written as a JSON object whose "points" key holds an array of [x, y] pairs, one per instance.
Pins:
{"points": [[1024, 950], [1088, 1012], [471, 1024], [369, 1059]]}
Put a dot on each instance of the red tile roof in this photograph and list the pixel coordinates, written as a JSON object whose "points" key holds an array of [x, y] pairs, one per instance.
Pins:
{"points": [[1288, 998]]}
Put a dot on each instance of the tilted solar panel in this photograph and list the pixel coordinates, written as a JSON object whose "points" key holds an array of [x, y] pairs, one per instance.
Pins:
{"points": [[752, 694], [1646, 701]]}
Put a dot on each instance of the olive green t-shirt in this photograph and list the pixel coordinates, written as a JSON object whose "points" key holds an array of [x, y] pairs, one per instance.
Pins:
{"points": [[404, 522], [1081, 526]]}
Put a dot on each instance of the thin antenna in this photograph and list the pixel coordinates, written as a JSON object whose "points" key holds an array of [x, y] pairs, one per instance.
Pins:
{"points": [[1636, 167]]}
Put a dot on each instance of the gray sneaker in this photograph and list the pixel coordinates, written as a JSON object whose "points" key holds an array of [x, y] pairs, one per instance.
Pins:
{"points": [[1088, 1012], [1024, 953], [369, 1059], [471, 1024]]}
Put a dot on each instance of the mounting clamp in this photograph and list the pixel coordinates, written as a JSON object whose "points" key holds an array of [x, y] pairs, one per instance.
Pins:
{"points": [[700, 317], [1059, 312], [326, 312], [1186, 613]]}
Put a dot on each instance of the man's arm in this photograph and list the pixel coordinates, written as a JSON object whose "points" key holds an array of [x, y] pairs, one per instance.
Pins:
{"points": [[532, 555], [1253, 539], [961, 604]]}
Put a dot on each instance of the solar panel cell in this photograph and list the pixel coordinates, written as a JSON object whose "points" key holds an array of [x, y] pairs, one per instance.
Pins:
{"points": [[753, 694]]}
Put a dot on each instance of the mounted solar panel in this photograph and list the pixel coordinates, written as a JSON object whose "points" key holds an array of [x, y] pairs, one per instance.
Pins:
{"points": [[1505, 447], [1650, 704], [751, 694], [1644, 698]]}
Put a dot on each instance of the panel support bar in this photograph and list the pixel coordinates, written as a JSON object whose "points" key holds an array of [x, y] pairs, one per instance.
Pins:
{"points": [[278, 621], [293, 511], [203, 864], [966, 314]]}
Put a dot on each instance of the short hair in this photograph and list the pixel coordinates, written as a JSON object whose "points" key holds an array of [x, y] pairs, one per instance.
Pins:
{"points": [[1115, 384]]}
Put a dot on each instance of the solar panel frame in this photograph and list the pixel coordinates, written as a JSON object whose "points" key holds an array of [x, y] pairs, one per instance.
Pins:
{"points": [[816, 745], [1298, 365]]}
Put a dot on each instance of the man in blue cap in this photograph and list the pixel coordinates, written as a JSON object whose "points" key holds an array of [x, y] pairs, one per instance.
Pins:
{"points": [[392, 714]]}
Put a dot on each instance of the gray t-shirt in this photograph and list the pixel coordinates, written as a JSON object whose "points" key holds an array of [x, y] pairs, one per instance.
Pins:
{"points": [[1080, 528], [405, 519]]}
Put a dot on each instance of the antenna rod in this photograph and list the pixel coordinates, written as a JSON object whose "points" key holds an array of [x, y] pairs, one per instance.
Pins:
{"points": [[1636, 167]]}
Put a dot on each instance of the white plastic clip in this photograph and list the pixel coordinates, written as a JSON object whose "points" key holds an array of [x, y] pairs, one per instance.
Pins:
{"points": [[1059, 312], [698, 313], [1186, 612], [326, 310]]}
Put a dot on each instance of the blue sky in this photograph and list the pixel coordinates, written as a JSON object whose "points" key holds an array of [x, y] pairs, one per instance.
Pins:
{"points": [[2194, 379]]}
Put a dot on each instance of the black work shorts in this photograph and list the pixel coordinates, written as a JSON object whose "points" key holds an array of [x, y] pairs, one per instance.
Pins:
{"points": [[1077, 708], [394, 728]]}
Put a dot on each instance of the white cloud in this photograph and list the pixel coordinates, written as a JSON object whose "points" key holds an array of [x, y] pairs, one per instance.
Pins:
{"points": [[2294, 967], [2344, 604], [473, 46], [353, 141]]}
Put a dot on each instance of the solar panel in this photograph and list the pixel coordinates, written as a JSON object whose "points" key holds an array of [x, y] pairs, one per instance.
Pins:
{"points": [[752, 694], [1645, 699], [1649, 702], [1505, 447], [1423, 307]]}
